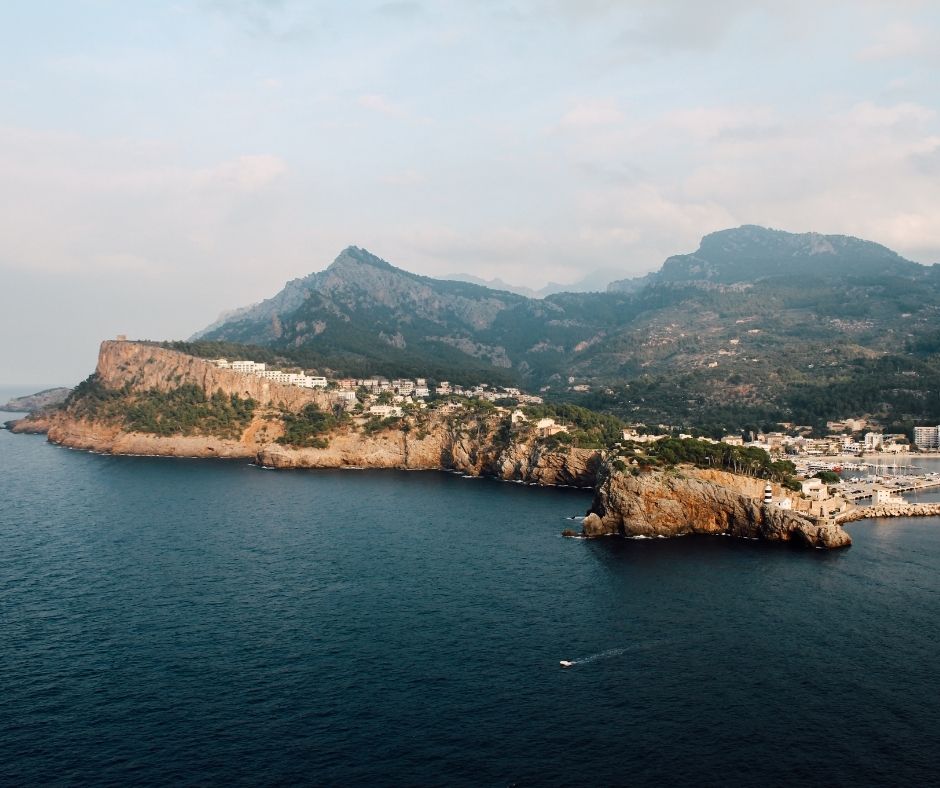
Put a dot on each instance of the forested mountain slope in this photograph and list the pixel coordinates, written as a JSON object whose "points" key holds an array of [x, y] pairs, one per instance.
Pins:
{"points": [[755, 324]]}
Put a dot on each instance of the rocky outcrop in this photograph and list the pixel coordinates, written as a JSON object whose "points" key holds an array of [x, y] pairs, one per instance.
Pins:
{"points": [[111, 439], [143, 367], [442, 443], [32, 425], [31, 403], [687, 501], [891, 510], [654, 503]]}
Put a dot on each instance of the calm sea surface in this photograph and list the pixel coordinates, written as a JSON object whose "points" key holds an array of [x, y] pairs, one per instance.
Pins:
{"points": [[204, 622]]}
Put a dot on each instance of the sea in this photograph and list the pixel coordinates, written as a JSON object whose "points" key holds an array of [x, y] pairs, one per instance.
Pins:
{"points": [[198, 622]]}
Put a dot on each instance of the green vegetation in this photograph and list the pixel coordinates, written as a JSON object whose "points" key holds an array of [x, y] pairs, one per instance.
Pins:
{"points": [[746, 460], [588, 428], [378, 424], [183, 411], [306, 428], [752, 328], [828, 477]]}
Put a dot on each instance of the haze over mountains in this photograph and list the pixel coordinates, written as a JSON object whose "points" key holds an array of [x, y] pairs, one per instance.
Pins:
{"points": [[593, 282], [751, 319]]}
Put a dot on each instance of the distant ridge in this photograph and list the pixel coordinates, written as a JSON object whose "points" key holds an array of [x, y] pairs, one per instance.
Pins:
{"points": [[594, 282], [749, 253], [779, 325]]}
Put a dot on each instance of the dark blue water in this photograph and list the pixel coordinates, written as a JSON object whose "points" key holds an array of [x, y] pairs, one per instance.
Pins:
{"points": [[198, 622]]}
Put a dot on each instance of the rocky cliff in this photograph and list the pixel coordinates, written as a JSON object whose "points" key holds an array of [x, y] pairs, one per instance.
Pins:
{"points": [[142, 367], [478, 443], [689, 501], [441, 444]]}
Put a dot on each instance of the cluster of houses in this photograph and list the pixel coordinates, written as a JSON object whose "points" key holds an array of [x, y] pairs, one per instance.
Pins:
{"points": [[276, 375], [395, 393], [780, 443], [797, 443]]}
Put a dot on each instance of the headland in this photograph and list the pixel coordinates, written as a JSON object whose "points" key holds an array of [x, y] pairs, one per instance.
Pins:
{"points": [[150, 400]]}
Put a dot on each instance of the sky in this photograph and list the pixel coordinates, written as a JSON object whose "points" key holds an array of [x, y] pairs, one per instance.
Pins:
{"points": [[161, 162]]}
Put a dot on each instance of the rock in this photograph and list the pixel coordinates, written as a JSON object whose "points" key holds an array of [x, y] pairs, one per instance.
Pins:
{"points": [[826, 536], [686, 501], [142, 367], [47, 398], [891, 510], [592, 525]]}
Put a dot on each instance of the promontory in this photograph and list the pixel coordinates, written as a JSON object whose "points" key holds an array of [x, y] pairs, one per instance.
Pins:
{"points": [[146, 398]]}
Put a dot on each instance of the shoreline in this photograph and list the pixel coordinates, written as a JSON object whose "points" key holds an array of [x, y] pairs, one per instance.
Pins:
{"points": [[658, 503], [860, 514]]}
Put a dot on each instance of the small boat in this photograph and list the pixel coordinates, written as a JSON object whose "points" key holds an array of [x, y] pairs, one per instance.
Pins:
{"points": [[565, 663]]}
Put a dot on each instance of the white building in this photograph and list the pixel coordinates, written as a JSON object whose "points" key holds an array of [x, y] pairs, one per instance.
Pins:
{"points": [[247, 367], [548, 427], [385, 411], [814, 489], [927, 438], [874, 441], [347, 398], [883, 496]]}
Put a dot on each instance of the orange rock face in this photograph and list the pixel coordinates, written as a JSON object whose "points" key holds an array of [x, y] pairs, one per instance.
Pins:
{"points": [[692, 501]]}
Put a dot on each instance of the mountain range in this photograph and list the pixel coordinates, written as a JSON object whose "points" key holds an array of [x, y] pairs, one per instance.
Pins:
{"points": [[755, 324]]}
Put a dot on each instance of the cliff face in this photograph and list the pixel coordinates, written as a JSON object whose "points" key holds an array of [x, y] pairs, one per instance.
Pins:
{"points": [[664, 503], [441, 446], [144, 367], [441, 443], [657, 503]]}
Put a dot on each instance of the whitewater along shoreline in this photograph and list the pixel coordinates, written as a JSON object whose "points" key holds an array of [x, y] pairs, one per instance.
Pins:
{"points": [[627, 503]]}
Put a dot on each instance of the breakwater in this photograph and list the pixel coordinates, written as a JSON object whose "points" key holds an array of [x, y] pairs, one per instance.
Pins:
{"points": [[890, 510]]}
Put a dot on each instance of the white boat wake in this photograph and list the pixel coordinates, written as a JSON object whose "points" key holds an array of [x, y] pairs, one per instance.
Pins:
{"points": [[611, 652]]}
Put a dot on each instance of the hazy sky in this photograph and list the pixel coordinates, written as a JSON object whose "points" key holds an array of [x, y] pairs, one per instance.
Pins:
{"points": [[163, 161]]}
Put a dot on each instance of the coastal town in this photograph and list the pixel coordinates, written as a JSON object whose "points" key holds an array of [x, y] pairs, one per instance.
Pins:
{"points": [[378, 395], [383, 397]]}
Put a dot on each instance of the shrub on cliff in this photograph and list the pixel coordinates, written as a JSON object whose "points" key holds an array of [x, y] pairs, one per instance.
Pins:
{"points": [[307, 428], [183, 411], [745, 460], [589, 429]]}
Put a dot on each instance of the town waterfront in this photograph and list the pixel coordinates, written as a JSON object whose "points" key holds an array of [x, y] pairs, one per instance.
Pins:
{"points": [[190, 622]]}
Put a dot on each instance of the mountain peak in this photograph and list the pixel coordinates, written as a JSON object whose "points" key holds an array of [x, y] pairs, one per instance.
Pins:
{"points": [[752, 252], [358, 256]]}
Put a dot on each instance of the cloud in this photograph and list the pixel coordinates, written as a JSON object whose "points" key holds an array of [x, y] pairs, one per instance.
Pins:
{"points": [[404, 10], [244, 173], [281, 21], [409, 177], [868, 113], [81, 204], [376, 102], [598, 112], [899, 39]]}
